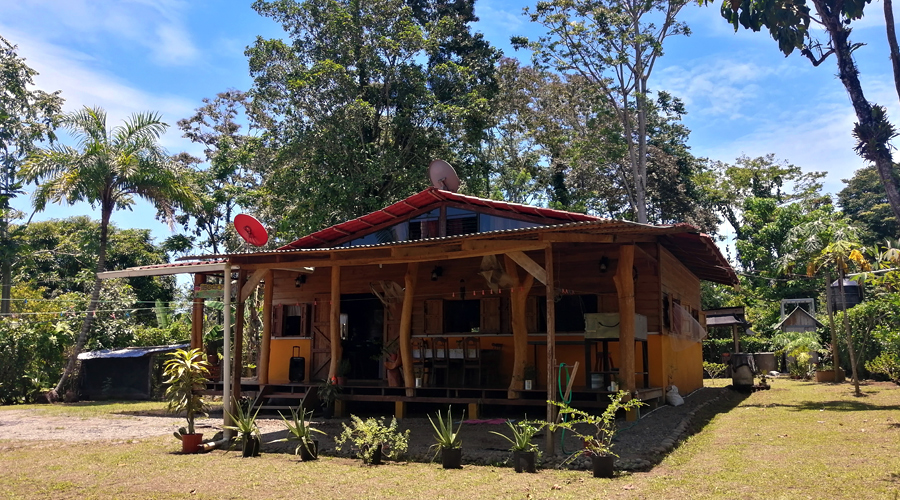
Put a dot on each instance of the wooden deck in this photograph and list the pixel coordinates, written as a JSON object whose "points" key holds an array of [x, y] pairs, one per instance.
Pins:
{"points": [[281, 396]]}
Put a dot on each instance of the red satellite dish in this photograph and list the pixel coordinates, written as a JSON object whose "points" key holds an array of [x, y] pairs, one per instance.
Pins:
{"points": [[251, 230], [443, 176]]}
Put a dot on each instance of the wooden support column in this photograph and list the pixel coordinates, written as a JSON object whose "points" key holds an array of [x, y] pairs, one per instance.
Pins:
{"points": [[735, 338], [411, 280], [334, 321], [197, 315], [624, 280], [518, 304], [266, 341], [550, 444], [238, 364]]}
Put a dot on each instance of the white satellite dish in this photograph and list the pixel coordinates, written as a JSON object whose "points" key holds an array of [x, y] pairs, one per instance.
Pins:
{"points": [[443, 176]]}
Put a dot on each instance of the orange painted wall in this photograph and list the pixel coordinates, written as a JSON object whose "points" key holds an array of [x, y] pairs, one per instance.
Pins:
{"points": [[280, 356]]}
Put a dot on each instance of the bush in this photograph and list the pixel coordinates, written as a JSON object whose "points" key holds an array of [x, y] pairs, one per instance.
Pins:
{"points": [[887, 364], [367, 436]]}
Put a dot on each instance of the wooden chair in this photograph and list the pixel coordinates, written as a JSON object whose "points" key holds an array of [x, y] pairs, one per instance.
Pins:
{"points": [[440, 360], [421, 362], [471, 362]]}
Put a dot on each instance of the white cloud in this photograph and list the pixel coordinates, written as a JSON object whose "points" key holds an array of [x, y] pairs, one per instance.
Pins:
{"points": [[156, 27]]}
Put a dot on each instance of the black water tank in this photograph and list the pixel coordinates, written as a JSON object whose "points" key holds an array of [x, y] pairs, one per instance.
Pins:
{"points": [[852, 294]]}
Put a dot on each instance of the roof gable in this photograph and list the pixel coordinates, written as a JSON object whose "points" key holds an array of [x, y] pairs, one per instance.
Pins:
{"points": [[424, 201]]}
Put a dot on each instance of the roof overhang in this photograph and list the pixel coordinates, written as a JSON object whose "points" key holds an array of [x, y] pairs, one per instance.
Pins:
{"points": [[206, 266]]}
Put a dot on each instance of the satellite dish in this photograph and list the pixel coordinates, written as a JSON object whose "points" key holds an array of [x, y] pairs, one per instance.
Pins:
{"points": [[443, 176], [251, 230]]}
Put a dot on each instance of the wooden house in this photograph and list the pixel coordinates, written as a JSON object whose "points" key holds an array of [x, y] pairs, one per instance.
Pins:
{"points": [[476, 294]]}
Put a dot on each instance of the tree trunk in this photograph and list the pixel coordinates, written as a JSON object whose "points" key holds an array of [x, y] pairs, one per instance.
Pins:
{"points": [[71, 370], [850, 349], [835, 358], [892, 42], [872, 122]]}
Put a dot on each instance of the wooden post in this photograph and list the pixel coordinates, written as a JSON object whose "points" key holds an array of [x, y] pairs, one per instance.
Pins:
{"points": [[334, 321], [550, 444], [197, 315], [734, 337], [238, 341], [624, 280], [518, 304], [411, 279], [266, 341]]}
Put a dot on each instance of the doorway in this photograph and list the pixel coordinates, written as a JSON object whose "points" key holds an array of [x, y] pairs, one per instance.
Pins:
{"points": [[365, 330]]}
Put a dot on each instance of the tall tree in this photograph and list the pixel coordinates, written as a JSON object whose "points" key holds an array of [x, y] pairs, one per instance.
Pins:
{"points": [[27, 116], [614, 44], [864, 201], [109, 169], [788, 22], [829, 243], [350, 105], [229, 179]]}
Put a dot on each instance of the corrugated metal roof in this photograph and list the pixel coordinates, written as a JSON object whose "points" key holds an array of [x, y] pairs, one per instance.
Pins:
{"points": [[420, 201], [131, 352]]}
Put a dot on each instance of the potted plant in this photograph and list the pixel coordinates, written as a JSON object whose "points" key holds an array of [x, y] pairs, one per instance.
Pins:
{"points": [[343, 368], [447, 440], [530, 375], [525, 452], [327, 392], [299, 430], [392, 363], [245, 424], [372, 440], [598, 443], [185, 373]]}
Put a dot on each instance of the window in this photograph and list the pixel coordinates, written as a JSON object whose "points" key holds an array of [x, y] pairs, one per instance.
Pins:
{"points": [[293, 321], [570, 311], [425, 226], [461, 316], [391, 234], [493, 223], [461, 222]]}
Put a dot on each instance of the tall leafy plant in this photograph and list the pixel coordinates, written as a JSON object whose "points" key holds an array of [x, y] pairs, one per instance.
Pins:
{"points": [[186, 373]]}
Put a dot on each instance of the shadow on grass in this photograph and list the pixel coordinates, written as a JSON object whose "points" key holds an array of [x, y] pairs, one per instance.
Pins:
{"points": [[841, 406]]}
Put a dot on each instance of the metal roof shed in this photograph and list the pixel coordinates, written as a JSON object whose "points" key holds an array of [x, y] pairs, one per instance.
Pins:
{"points": [[121, 373]]}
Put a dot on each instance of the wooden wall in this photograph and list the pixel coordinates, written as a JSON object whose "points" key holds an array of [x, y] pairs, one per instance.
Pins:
{"points": [[681, 361]]}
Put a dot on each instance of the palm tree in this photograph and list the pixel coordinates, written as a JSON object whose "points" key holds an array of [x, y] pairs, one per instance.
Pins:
{"points": [[828, 243], [109, 168]]}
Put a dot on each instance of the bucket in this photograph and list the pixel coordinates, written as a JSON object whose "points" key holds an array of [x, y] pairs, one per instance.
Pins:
{"points": [[742, 369], [596, 380], [765, 361]]}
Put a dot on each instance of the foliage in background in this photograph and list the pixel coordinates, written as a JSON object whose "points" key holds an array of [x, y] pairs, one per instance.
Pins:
{"points": [[365, 437]]}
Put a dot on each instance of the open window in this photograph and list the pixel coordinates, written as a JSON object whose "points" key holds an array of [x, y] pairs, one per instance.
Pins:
{"points": [[292, 320]]}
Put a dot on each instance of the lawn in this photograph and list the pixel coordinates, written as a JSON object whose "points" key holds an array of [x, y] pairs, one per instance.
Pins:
{"points": [[798, 440]]}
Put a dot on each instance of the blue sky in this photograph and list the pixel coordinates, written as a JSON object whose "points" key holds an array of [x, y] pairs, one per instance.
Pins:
{"points": [[741, 94]]}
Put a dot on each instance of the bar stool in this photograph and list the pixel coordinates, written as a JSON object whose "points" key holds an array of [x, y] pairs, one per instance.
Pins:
{"points": [[471, 361], [421, 362], [440, 359]]}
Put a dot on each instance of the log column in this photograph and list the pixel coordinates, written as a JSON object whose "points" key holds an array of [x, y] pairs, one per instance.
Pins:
{"points": [[518, 304], [551, 349], [624, 280], [334, 321], [411, 280], [238, 363], [197, 314], [262, 371]]}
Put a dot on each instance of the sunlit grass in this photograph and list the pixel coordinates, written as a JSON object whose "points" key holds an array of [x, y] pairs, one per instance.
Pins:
{"points": [[797, 440]]}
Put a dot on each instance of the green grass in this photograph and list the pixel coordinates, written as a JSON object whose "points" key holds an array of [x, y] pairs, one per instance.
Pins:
{"points": [[91, 409], [798, 440]]}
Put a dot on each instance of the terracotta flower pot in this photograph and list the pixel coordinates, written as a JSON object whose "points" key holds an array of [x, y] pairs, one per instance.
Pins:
{"points": [[190, 443]]}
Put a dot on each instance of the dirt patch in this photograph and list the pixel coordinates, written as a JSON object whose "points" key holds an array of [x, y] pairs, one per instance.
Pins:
{"points": [[637, 443]]}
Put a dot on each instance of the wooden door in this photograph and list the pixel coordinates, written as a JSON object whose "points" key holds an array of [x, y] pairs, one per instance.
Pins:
{"points": [[321, 339]]}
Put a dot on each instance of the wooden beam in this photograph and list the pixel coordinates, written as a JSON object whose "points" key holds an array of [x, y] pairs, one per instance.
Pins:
{"points": [[251, 283], [551, 349], [503, 246], [529, 265], [334, 323], [577, 238], [238, 347], [624, 280], [266, 341], [518, 304], [411, 280], [197, 315]]}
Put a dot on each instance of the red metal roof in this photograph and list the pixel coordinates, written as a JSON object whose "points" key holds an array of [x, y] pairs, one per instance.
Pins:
{"points": [[419, 201]]}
